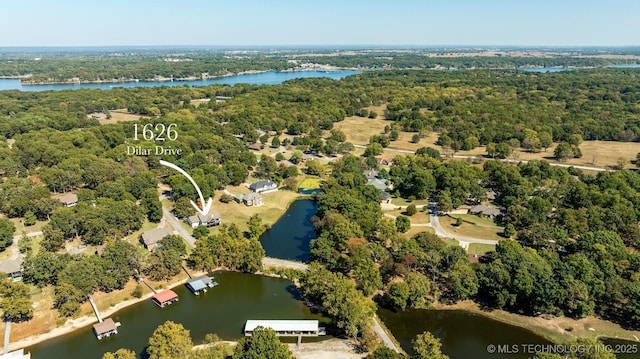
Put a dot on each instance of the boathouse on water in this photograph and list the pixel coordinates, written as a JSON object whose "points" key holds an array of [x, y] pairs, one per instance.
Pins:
{"points": [[105, 328], [200, 284], [165, 297], [286, 328]]}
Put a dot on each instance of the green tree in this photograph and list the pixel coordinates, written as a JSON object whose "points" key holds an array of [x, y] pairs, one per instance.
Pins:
{"points": [[411, 209], [403, 224], [563, 151], [120, 354], [546, 140], [419, 290], [373, 149], [201, 231], [275, 142], [263, 344], [445, 204], [151, 205], [509, 230], [398, 294], [383, 352], [16, 303], [170, 341], [256, 226], [6, 233], [426, 346], [29, 219], [415, 138], [183, 208]]}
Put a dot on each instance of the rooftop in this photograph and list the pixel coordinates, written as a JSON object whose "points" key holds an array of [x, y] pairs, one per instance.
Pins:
{"points": [[283, 325], [165, 295], [68, 198], [105, 327], [11, 265], [262, 184], [155, 235]]}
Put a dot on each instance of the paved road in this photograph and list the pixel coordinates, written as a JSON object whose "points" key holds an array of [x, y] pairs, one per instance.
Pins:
{"points": [[441, 232], [384, 337], [283, 263], [175, 223]]}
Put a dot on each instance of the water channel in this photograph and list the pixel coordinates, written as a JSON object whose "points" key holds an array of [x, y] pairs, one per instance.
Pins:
{"points": [[263, 78], [222, 310]]}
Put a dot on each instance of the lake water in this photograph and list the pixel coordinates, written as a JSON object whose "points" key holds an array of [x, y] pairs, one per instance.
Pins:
{"points": [[222, 310], [264, 78], [463, 335], [290, 236]]}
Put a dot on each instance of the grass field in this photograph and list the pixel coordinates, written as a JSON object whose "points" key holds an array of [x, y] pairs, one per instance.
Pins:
{"points": [[359, 129], [603, 154], [476, 220], [470, 230], [275, 204], [480, 248], [310, 183], [404, 202], [122, 115]]}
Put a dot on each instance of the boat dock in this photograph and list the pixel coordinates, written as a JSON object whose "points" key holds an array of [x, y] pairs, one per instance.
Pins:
{"points": [[200, 284], [286, 328], [164, 298], [104, 328]]}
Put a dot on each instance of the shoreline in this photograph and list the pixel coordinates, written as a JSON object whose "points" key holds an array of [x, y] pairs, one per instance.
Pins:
{"points": [[551, 328], [173, 79], [75, 324]]}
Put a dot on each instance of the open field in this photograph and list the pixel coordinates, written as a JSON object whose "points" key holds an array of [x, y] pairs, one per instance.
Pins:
{"points": [[480, 248], [557, 329], [122, 115], [486, 222], [594, 153], [359, 129], [310, 183], [275, 204], [470, 230], [415, 230], [398, 201], [418, 218]]}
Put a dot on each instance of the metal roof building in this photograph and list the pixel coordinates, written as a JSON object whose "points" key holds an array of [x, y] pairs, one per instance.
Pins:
{"points": [[286, 327]]}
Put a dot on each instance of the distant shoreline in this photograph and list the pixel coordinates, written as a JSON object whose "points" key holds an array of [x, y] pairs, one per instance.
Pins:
{"points": [[171, 79]]}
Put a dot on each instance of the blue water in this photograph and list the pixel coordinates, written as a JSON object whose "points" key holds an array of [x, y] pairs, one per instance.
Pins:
{"points": [[265, 78], [290, 236], [625, 66]]}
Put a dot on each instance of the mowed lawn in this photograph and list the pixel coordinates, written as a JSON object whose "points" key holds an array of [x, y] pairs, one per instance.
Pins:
{"points": [[275, 204], [122, 115], [470, 230]]}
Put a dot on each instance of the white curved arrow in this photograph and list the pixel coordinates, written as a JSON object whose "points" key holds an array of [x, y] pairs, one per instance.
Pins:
{"points": [[206, 205]]}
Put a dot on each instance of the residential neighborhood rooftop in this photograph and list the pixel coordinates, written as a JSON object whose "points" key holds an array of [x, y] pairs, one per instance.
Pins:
{"points": [[155, 235]]}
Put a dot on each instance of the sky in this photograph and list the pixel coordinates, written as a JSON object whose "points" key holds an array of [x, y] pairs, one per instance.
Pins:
{"points": [[326, 22]]}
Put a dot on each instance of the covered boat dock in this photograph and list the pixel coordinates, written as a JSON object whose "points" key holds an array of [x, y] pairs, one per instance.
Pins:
{"points": [[200, 284], [165, 297], [286, 328]]}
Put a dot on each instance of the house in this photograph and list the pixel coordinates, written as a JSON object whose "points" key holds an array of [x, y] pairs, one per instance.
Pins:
{"points": [[484, 211], [264, 186], [492, 195], [105, 328], [371, 174], [379, 184], [385, 196], [151, 238], [250, 199], [18, 354], [13, 268], [68, 199], [165, 297], [200, 284], [210, 220]]}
